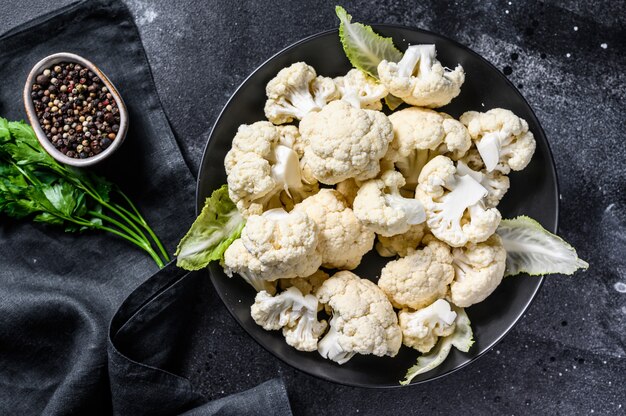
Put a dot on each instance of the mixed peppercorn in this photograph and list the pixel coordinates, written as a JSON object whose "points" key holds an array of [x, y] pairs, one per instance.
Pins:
{"points": [[75, 109]]}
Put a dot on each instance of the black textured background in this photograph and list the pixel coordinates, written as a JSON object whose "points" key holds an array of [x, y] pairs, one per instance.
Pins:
{"points": [[567, 356]]}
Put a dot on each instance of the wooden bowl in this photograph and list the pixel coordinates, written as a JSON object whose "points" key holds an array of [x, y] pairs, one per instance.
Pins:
{"points": [[49, 61]]}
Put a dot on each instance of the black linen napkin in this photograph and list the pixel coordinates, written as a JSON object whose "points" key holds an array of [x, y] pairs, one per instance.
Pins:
{"points": [[139, 357], [58, 292]]}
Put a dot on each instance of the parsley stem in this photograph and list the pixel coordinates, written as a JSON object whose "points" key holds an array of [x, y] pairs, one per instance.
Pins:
{"points": [[94, 194], [141, 244], [118, 224], [140, 219], [117, 209]]}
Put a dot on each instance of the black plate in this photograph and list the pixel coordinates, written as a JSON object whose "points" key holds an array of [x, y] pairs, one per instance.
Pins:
{"points": [[534, 192]]}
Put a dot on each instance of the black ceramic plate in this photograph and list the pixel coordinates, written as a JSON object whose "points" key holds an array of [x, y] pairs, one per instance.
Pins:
{"points": [[533, 192]]}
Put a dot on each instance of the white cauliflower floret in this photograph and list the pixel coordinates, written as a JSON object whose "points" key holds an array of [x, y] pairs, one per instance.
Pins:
{"points": [[479, 269], [361, 90], [420, 278], [420, 79], [343, 240], [264, 171], [380, 207], [345, 142], [363, 321], [420, 134], [307, 284], [275, 245], [290, 137], [295, 313], [421, 329], [455, 210], [401, 244], [495, 182], [296, 91], [502, 139]]}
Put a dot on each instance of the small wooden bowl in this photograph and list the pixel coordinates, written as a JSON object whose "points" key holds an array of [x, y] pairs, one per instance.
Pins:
{"points": [[49, 61]]}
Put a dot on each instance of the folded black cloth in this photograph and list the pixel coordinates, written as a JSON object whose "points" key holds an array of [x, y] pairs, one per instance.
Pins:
{"points": [[140, 355], [58, 292]]}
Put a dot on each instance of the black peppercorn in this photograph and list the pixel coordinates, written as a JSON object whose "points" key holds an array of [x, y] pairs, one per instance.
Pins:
{"points": [[77, 112], [104, 143]]}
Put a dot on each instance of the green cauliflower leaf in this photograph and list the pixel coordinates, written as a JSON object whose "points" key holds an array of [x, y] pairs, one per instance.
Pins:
{"points": [[363, 47], [532, 249], [217, 226]]}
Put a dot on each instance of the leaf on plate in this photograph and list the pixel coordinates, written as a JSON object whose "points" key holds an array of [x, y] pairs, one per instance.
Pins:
{"points": [[217, 226], [462, 339], [532, 249], [363, 47]]}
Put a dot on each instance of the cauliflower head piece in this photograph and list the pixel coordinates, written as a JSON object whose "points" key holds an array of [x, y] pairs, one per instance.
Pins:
{"points": [[343, 240], [454, 204], [275, 245], [296, 91], [421, 329], [344, 142], [361, 90], [292, 311], [420, 79], [420, 278], [363, 321], [263, 168], [479, 269], [420, 134], [502, 139], [401, 244], [381, 208]]}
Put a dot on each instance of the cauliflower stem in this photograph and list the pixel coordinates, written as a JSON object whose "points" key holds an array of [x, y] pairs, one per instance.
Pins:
{"points": [[465, 192], [329, 347]]}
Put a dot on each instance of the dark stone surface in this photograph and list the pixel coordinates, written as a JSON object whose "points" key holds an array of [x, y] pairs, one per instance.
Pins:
{"points": [[567, 356]]}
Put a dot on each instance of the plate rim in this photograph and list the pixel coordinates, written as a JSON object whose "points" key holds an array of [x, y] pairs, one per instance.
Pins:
{"points": [[553, 228]]}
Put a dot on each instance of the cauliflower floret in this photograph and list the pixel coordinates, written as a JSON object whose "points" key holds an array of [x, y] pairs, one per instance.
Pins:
{"points": [[428, 84], [455, 210], [290, 137], [264, 171], [294, 313], [420, 278], [348, 188], [502, 139], [307, 284], [479, 269], [380, 207], [421, 329], [401, 244], [275, 245], [343, 240], [363, 321], [495, 182], [296, 91], [420, 134], [361, 90], [345, 142]]}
